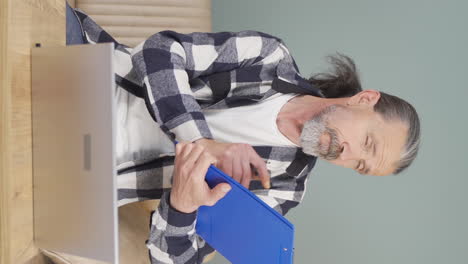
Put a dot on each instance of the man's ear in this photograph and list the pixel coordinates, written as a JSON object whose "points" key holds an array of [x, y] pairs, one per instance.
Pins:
{"points": [[365, 98]]}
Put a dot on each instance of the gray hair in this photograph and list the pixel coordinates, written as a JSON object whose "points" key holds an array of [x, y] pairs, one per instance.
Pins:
{"points": [[394, 108]]}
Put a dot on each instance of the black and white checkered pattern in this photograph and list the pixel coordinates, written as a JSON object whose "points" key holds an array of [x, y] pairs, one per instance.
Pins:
{"points": [[178, 75]]}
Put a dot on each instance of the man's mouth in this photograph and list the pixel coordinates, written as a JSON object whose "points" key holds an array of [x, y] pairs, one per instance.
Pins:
{"points": [[329, 147]]}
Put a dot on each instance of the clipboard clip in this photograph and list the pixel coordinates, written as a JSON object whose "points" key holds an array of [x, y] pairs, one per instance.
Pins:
{"points": [[286, 255]]}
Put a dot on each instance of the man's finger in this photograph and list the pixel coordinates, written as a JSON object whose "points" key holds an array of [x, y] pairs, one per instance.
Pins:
{"points": [[246, 174], [178, 148], [245, 181], [227, 166], [186, 149], [260, 165], [218, 192], [194, 154], [202, 164], [236, 168]]}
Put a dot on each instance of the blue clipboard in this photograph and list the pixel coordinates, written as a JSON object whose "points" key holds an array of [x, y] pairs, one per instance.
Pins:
{"points": [[243, 228]]}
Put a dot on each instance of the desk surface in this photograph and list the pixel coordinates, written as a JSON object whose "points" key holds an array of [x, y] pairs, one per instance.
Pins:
{"points": [[22, 24]]}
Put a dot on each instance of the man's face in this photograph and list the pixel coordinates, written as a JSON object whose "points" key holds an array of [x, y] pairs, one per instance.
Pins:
{"points": [[355, 136]]}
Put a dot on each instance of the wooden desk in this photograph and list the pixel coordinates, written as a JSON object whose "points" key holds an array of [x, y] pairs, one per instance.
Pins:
{"points": [[22, 23]]}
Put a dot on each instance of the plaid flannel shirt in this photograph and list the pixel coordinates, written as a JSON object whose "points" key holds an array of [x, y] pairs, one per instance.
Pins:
{"points": [[178, 75]]}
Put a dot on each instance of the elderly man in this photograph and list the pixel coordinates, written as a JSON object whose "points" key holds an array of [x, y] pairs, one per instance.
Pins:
{"points": [[237, 100]]}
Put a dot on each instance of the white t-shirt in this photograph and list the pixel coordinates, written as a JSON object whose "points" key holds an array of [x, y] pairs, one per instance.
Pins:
{"points": [[139, 138], [253, 124]]}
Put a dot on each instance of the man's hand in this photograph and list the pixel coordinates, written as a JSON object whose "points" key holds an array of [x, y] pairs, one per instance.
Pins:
{"points": [[238, 161], [189, 189]]}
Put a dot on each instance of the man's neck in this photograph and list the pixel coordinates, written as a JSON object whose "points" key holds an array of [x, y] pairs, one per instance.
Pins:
{"points": [[297, 111]]}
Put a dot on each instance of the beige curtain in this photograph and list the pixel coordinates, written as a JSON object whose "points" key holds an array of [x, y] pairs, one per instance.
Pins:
{"points": [[132, 21]]}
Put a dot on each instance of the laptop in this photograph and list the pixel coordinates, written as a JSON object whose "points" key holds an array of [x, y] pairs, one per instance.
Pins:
{"points": [[74, 170]]}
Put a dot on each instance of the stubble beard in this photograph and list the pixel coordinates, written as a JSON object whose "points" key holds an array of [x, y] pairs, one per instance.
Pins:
{"points": [[313, 130]]}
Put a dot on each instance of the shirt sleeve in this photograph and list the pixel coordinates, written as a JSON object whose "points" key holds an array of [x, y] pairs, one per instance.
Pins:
{"points": [[172, 237], [166, 62]]}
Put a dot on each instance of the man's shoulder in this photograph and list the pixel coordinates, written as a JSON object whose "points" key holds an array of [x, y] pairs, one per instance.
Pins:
{"points": [[254, 33]]}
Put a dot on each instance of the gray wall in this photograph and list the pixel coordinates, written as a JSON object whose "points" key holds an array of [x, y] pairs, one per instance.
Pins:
{"points": [[413, 49]]}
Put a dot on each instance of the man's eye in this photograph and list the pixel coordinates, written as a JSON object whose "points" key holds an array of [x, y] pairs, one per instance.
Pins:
{"points": [[358, 166]]}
